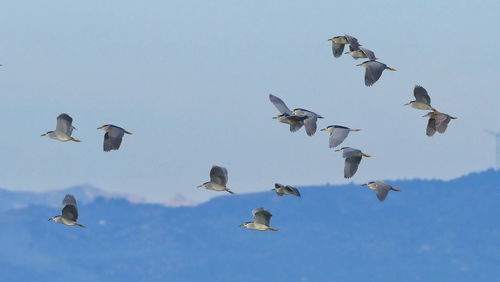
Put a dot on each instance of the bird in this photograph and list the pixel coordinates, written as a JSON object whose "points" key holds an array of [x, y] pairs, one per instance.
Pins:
{"points": [[285, 190], [296, 118], [373, 71], [352, 160], [261, 219], [64, 128], [437, 121], [218, 180], [338, 43], [69, 213], [310, 120], [361, 53], [338, 134], [381, 188], [113, 137], [422, 99], [295, 122]]}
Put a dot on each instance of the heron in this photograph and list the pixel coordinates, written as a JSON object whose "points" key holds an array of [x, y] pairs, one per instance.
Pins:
{"points": [[437, 121], [338, 134], [373, 71], [352, 160], [218, 180], [381, 188], [422, 99], [295, 122], [64, 128], [297, 118], [69, 213], [338, 43], [361, 52], [286, 190], [113, 137], [261, 220]]}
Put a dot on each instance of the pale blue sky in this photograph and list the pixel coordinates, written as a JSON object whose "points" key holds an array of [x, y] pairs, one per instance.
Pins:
{"points": [[191, 79]]}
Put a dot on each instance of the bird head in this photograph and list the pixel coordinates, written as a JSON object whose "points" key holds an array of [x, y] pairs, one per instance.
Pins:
{"points": [[56, 218], [245, 224], [48, 132], [202, 185], [429, 114], [409, 103], [328, 128], [341, 149], [105, 127]]}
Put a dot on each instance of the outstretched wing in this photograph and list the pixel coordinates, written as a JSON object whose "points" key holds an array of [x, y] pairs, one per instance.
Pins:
{"points": [[337, 49], [351, 166], [310, 124], [280, 105], [218, 175], [353, 42], [431, 127], [373, 73], [69, 208], [338, 135], [421, 95], [64, 124], [369, 53], [442, 121], [382, 189], [261, 216]]}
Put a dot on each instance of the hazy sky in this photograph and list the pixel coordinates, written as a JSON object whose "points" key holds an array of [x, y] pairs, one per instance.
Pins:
{"points": [[191, 79]]}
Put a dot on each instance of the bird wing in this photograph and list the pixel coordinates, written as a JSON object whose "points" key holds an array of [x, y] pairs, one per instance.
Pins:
{"points": [[353, 41], [382, 189], [310, 123], [261, 216], [280, 105], [351, 166], [64, 122], [296, 126], [115, 135], [279, 189], [421, 95], [369, 53], [218, 175], [69, 208], [337, 49], [373, 72], [294, 190], [349, 152], [338, 136], [431, 127], [442, 121]]}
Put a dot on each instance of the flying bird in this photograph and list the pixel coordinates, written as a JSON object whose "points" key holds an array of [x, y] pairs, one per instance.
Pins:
{"points": [[361, 52], [64, 128], [422, 99], [296, 118], [381, 188], [218, 180], [338, 43], [69, 212], [285, 190], [113, 137], [437, 121], [352, 160], [261, 220], [338, 134], [373, 71]]}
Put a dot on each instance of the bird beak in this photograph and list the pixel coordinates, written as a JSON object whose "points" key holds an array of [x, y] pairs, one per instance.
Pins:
{"points": [[43, 134], [275, 117], [329, 39], [364, 184], [320, 117], [51, 218], [426, 115], [199, 186], [323, 129], [359, 65], [406, 104], [338, 150], [101, 127], [391, 69], [241, 225]]}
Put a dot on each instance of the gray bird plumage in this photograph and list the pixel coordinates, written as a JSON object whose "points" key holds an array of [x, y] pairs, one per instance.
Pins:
{"points": [[286, 190], [381, 189], [373, 71], [69, 215], [261, 220], [352, 160], [422, 99], [64, 129], [362, 52], [218, 180], [338, 134], [338, 43], [437, 122], [310, 121], [113, 137], [296, 118]]}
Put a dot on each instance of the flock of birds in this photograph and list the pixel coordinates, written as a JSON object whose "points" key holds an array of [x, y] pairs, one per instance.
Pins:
{"points": [[296, 119]]}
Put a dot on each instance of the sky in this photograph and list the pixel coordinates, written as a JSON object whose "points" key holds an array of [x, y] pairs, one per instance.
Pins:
{"points": [[191, 80]]}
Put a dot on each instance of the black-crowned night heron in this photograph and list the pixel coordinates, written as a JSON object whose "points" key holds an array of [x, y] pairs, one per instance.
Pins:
{"points": [[373, 71], [64, 128], [285, 190], [113, 137], [422, 99], [218, 180], [381, 188], [69, 213], [437, 121], [261, 220], [361, 52], [352, 160], [295, 118], [338, 134], [338, 43], [295, 122]]}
